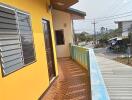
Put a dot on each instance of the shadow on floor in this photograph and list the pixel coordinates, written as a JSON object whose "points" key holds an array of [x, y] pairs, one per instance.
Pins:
{"points": [[72, 83]]}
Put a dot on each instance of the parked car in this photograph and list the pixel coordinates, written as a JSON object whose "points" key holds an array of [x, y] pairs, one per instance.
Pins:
{"points": [[117, 44]]}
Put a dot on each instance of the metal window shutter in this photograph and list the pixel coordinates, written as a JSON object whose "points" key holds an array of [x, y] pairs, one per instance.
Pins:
{"points": [[26, 37], [10, 44]]}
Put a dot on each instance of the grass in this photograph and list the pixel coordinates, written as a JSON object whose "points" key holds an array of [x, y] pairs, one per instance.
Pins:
{"points": [[124, 60]]}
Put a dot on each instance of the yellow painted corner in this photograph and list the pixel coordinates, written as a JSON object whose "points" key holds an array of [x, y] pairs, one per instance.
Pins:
{"points": [[31, 81]]}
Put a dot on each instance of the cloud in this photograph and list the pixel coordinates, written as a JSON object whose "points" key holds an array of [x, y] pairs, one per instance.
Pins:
{"points": [[125, 1]]}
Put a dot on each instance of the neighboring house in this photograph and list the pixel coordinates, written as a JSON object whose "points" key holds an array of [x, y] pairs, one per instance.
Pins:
{"points": [[27, 45], [62, 21], [125, 26]]}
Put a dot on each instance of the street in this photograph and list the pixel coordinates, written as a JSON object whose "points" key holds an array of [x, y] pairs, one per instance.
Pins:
{"points": [[103, 52]]}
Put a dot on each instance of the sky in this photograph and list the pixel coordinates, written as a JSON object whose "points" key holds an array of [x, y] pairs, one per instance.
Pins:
{"points": [[96, 9]]}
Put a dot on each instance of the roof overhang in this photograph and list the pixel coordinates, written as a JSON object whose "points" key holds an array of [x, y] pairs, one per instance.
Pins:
{"points": [[123, 21], [62, 4], [76, 14]]}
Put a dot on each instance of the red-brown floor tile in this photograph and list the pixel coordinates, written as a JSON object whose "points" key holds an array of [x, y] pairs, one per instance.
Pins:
{"points": [[72, 83]]}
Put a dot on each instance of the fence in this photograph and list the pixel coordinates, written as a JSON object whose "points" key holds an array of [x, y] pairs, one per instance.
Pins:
{"points": [[87, 59]]}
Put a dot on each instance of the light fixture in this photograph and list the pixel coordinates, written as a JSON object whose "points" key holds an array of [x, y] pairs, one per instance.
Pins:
{"points": [[60, 3]]}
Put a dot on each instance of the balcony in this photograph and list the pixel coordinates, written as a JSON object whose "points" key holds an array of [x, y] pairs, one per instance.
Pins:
{"points": [[79, 78], [72, 83]]}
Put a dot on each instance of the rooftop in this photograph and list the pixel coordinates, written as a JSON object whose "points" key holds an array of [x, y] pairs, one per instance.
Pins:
{"points": [[123, 21], [77, 12]]}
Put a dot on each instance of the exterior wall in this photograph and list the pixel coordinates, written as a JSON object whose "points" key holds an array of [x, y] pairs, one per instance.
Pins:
{"points": [[120, 25], [60, 19], [126, 26], [31, 81]]}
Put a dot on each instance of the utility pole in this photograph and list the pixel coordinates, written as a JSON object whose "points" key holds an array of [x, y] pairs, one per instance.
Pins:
{"points": [[74, 35], [94, 23]]}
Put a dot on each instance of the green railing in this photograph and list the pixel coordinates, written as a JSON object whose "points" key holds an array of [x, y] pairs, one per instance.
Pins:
{"points": [[87, 59], [80, 55]]}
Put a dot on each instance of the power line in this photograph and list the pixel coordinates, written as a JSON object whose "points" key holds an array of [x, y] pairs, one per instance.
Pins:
{"points": [[124, 30], [112, 6], [118, 8], [126, 14], [110, 18], [83, 29], [116, 17], [107, 17], [97, 27], [105, 24]]}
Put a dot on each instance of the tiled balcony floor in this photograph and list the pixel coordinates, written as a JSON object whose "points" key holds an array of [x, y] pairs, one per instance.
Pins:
{"points": [[72, 83]]}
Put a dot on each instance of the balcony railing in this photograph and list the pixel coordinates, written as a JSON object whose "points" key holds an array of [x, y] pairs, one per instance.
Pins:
{"points": [[87, 59]]}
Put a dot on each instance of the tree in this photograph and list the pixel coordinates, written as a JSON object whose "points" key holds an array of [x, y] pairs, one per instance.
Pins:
{"points": [[89, 38], [82, 37], [102, 30]]}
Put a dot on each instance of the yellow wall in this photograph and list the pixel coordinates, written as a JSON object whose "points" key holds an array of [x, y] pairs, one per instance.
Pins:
{"points": [[30, 82], [60, 19]]}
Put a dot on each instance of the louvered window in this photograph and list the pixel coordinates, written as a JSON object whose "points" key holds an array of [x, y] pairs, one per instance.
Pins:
{"points": [[26, 37], [16, 43]]}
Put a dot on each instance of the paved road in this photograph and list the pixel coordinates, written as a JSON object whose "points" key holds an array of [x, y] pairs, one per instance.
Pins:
{"points": [[103, 52], [117, 77]]}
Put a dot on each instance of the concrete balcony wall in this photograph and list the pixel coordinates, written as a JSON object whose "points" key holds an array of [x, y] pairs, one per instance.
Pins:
{"points": [[87, 59]]}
